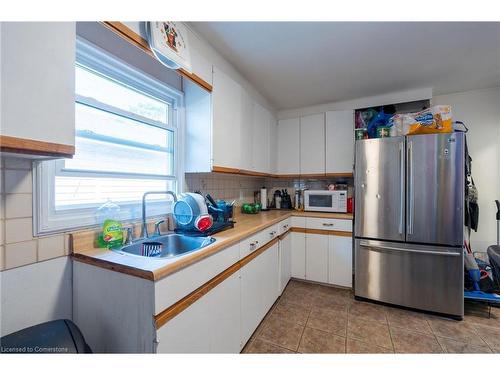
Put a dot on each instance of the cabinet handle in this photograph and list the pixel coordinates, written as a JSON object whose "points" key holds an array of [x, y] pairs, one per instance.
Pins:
{"points": [[327, 224]]}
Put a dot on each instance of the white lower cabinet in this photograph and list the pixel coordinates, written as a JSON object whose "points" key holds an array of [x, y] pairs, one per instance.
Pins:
{"points": [[251, 298], [259, 290], [285, 261], [317, 257], [340, 260], [226, 316], [188, 332], [298, 255], [270, 277], [210, 325]]}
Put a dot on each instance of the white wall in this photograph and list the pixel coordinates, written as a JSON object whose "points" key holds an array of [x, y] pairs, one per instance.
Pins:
{"points": [[35, 294], [480, 111]]}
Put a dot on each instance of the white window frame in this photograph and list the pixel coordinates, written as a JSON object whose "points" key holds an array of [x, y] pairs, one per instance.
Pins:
{"points": [[47, 220]]}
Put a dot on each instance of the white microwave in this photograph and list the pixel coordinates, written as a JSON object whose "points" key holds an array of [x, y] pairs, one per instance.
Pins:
{"points": [[325, 200]]}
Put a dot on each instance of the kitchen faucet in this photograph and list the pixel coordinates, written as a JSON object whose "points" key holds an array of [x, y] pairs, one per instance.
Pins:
{"points": [[144, 228]]}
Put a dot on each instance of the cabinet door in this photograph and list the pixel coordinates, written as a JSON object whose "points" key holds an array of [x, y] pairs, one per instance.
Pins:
{"points": [[252, 300], [312, 144], [339, 141], [317, 257], [285, 261], [247, 131], [340, 261], [38, 81], [270, 277], [288, 158], [227, 118], [298, 255], [210, 325], [273, 143], [261, 139], [225, 316], [188, 332]]}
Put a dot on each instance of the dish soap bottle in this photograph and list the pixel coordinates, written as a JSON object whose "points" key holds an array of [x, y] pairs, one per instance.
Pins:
{"points": [[107, 216]]}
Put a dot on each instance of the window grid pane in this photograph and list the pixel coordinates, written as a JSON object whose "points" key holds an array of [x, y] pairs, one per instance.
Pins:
{"points": [[102, 89], [77, 192], [107, 142]]}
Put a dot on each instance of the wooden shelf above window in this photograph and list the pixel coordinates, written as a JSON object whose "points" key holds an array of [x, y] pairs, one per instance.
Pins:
{"points": [[33, 148]]}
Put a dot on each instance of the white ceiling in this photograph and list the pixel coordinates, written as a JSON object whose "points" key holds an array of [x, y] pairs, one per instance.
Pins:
{"points": [[297, 64]]}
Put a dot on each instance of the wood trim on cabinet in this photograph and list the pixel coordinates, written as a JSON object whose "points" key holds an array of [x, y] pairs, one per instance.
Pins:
{"points": [[283, 235], [323, 175], [245, 172], [34, 147], [228, 170], [132, 37], [340, 174], [170, 312], [254, 173], [321, 231], [329, 232], [122, 268]]}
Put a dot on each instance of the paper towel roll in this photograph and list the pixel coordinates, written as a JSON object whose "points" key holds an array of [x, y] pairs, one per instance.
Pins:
{"points": [[263, 198]]}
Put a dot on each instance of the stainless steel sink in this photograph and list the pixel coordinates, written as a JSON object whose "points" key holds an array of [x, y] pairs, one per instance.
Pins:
{"points": [[167, 246]]}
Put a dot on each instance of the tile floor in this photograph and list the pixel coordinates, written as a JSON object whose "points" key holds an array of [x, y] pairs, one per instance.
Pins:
{"points": [[312, 318]]}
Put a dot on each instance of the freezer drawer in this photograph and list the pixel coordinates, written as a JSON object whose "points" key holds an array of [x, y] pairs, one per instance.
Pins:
{"points": [[417, 276]]}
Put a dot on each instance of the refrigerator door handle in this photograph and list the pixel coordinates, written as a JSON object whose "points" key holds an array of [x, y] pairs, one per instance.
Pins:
{"points": [[410, 187], [384, 247], [401, 186]]}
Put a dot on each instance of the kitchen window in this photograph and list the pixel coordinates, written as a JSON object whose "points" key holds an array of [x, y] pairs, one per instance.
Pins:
{"points": [[126, 140]]}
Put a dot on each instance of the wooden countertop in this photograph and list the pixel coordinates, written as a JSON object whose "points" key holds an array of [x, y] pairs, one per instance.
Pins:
{"points": [[157, 268]]}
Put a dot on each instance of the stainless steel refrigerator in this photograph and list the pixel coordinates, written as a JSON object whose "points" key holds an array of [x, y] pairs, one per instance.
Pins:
{"points": [[409, 207]]}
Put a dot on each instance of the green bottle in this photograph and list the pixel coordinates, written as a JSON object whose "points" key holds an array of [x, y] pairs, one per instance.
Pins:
{"points": [[107, 216]]}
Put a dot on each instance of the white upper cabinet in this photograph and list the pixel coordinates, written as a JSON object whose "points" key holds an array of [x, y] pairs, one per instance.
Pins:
{"points": [[288, 158], [38, 81], [312, 144], [227, 121], [261, 143], [247, 132], [339, 141], [273, 144], [232, 130]]}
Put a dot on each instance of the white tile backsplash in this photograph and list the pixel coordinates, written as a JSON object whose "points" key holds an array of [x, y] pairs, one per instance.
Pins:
{"points": [[2, 233], [50, 247], [18, 205], [17, 230], [223, 186], [18, 163], [20, 253], [18, 181]]}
